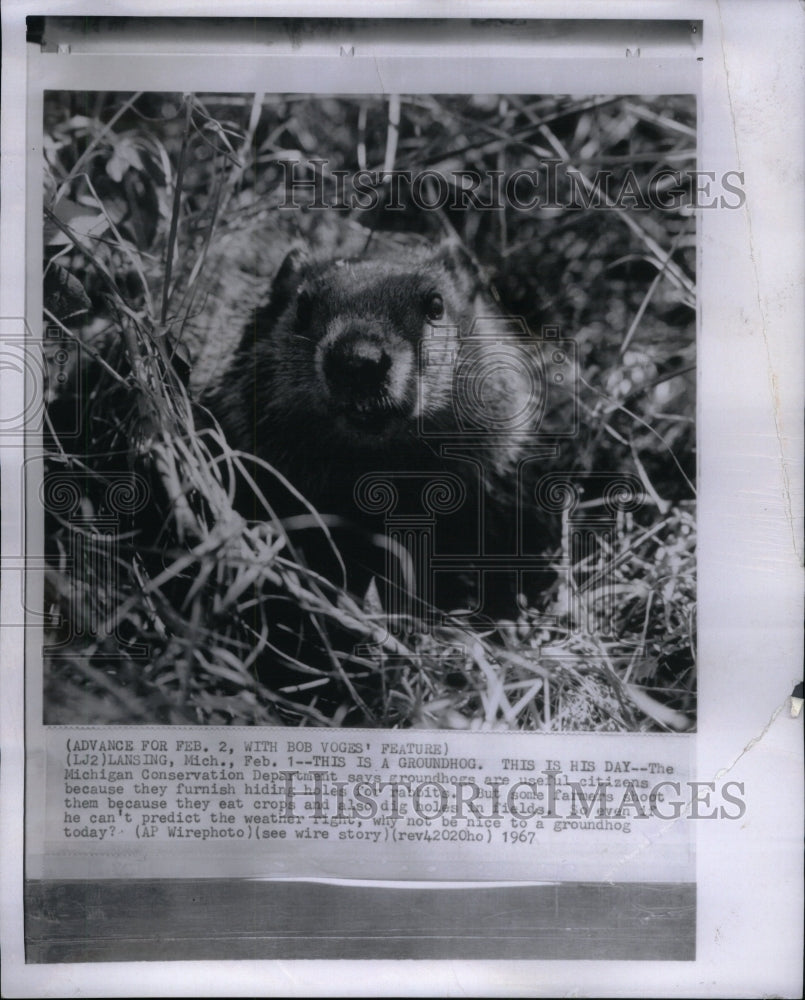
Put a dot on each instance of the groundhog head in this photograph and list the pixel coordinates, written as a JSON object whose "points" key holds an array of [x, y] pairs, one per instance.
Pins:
{"points": [[371, 363], [368, 343]]}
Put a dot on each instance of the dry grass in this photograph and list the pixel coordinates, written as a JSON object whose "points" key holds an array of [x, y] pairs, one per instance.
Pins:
{"points": [[160, 239]]}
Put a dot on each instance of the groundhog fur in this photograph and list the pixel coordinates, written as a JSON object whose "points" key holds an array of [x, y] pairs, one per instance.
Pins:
{"points": [[373, 365]]}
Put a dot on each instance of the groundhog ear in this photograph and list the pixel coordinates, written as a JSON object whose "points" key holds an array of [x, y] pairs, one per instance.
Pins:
{"points": [[288, 278]]}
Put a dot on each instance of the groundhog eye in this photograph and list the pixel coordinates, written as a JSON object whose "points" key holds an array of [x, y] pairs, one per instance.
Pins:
{"points": [[435, 309]]}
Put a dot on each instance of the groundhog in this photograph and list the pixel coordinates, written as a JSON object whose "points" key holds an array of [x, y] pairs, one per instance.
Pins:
{"points": [[387, 387]]}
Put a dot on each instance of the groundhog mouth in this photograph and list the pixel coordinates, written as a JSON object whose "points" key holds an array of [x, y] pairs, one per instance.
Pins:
{"points": [[378, 417], [365, 372]]}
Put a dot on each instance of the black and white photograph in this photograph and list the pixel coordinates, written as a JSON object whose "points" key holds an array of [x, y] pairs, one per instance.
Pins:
{"points": [[400, 423], [386, 406]]}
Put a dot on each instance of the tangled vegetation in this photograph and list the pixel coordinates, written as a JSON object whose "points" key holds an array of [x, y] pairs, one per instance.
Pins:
{"points": [[165, 218]]}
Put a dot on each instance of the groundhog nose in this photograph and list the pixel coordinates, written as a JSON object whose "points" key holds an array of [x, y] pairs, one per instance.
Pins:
{"points": [[356, 366]]}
